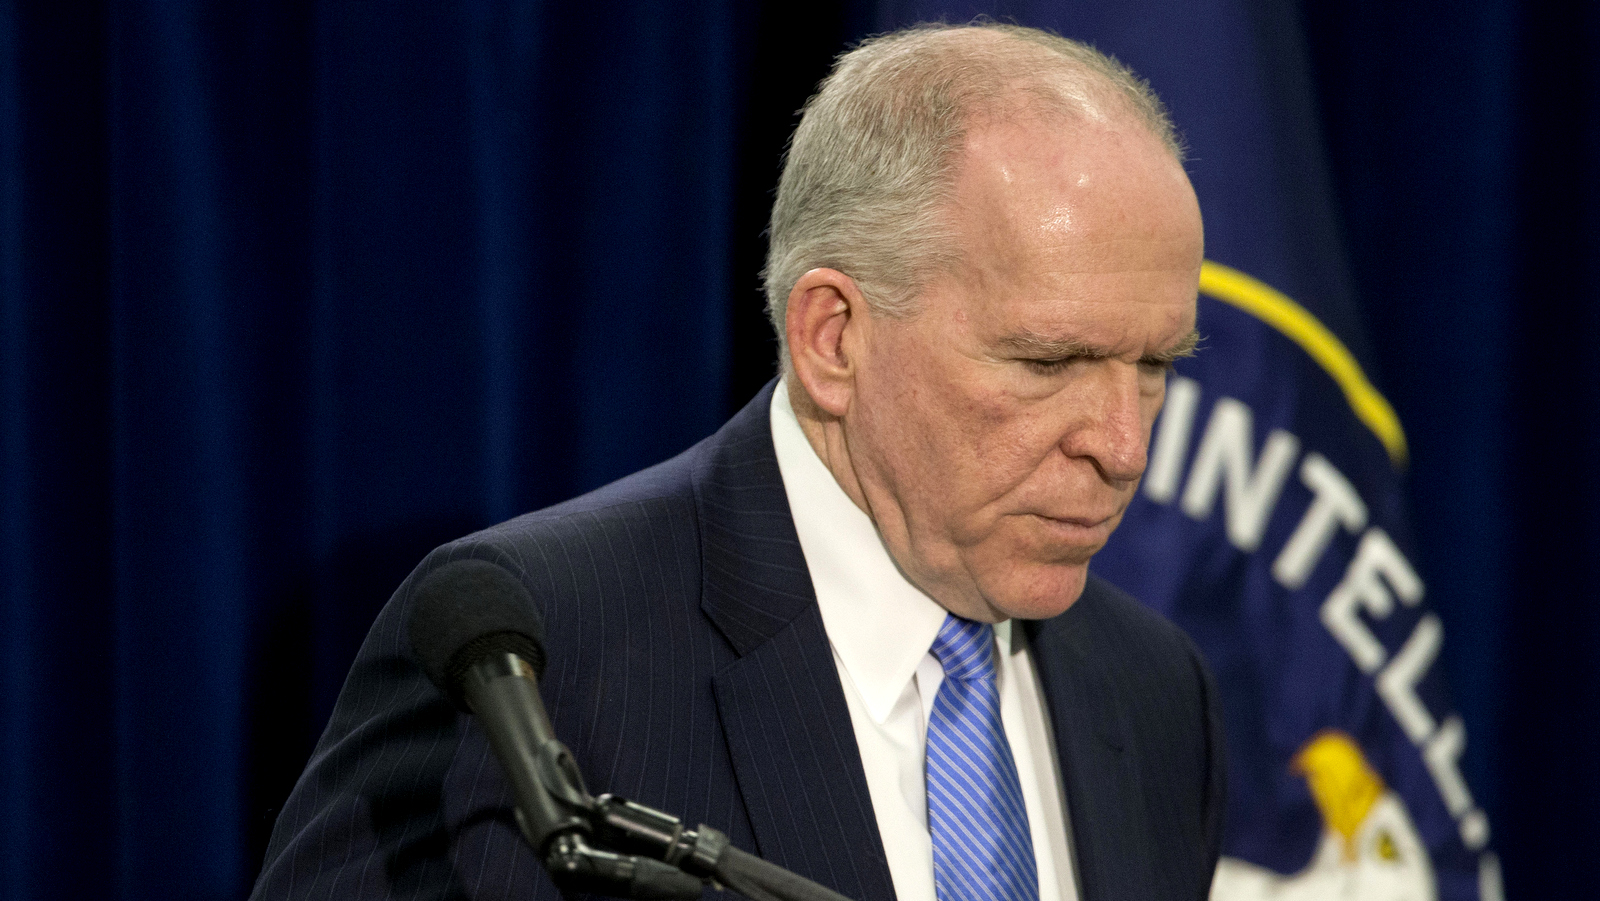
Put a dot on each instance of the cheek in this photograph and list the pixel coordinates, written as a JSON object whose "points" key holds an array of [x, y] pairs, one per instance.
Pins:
{"points": [[934, 429], [978, 444]]}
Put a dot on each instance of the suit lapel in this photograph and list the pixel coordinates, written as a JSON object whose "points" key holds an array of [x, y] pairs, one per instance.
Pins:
{"points": [[782, 708], [1103, 796]]}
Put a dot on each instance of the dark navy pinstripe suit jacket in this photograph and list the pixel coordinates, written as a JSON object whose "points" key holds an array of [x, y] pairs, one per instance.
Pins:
{"points": [[689, 670]]}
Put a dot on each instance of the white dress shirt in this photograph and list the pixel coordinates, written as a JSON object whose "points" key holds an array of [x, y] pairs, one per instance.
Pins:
{"points": [[881, 627]]}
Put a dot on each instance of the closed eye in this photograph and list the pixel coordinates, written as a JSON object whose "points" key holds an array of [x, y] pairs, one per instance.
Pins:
{"points": [[1053, 365]]}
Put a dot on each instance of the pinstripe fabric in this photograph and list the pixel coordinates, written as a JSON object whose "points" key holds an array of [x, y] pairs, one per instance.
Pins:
{"points": [[782, 708], [1139, 740], [982, 850], [688, 670]]}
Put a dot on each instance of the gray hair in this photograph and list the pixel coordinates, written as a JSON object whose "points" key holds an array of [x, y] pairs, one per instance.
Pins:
{"points": [[871, 168]]}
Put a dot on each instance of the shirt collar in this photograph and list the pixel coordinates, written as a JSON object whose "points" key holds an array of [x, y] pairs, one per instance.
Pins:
{"points": [[880, 625]]}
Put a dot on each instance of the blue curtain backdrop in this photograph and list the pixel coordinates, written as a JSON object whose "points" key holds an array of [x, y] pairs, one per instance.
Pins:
{"points": [[291, 292]]}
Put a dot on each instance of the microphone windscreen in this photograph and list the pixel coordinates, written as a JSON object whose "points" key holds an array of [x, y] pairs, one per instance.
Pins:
{"points": [[464, 612]]}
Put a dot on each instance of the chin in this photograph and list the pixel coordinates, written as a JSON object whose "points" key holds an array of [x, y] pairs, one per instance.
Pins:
{"points": [[1038, 591]]}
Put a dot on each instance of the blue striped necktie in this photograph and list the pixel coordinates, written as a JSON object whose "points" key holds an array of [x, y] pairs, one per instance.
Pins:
{"points": [[982, 850]]}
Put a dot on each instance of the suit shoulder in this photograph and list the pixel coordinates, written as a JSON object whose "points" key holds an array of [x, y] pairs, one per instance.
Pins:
{"points": [[1151, 663], [651, 520], [1169, 697], [1161, 704], [650, 512], [1111, 613]]}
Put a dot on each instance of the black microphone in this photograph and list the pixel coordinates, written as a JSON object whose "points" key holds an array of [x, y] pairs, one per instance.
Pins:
{"points": [[478, 636]]}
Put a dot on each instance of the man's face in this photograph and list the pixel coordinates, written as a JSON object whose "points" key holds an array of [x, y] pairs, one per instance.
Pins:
{"points": [[999, 434]]}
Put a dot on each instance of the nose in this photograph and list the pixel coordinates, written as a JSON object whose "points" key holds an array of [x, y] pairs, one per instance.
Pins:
{"points": [[1112, 432]]}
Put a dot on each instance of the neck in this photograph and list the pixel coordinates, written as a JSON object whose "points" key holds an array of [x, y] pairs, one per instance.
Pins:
{"points": [[825, 434]]}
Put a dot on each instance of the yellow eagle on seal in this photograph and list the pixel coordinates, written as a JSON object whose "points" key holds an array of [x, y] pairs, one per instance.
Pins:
{"points": [[1369, 848]]}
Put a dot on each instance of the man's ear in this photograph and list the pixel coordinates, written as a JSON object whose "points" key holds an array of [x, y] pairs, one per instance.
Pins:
{"points": [[825, 314]]}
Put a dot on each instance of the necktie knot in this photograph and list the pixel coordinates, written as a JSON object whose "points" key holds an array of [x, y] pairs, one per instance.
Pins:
{"points": [[965, 649]]}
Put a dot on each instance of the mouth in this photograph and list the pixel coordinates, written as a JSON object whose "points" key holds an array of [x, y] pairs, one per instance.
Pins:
{"points": [[1082, 531]]}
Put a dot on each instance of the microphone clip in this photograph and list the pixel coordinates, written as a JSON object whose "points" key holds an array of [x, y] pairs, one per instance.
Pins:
{"points": [[638, 852]]}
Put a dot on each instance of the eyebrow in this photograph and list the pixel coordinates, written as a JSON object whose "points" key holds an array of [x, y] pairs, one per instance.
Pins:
{"points": [[1038, 346], [1185, 347]]}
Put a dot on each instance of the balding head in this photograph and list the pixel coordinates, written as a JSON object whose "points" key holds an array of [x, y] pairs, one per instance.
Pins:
{"points": [[871, 170]]}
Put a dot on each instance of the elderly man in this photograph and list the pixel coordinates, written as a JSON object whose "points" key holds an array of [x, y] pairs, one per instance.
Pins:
{"points": [[855, 628]]}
